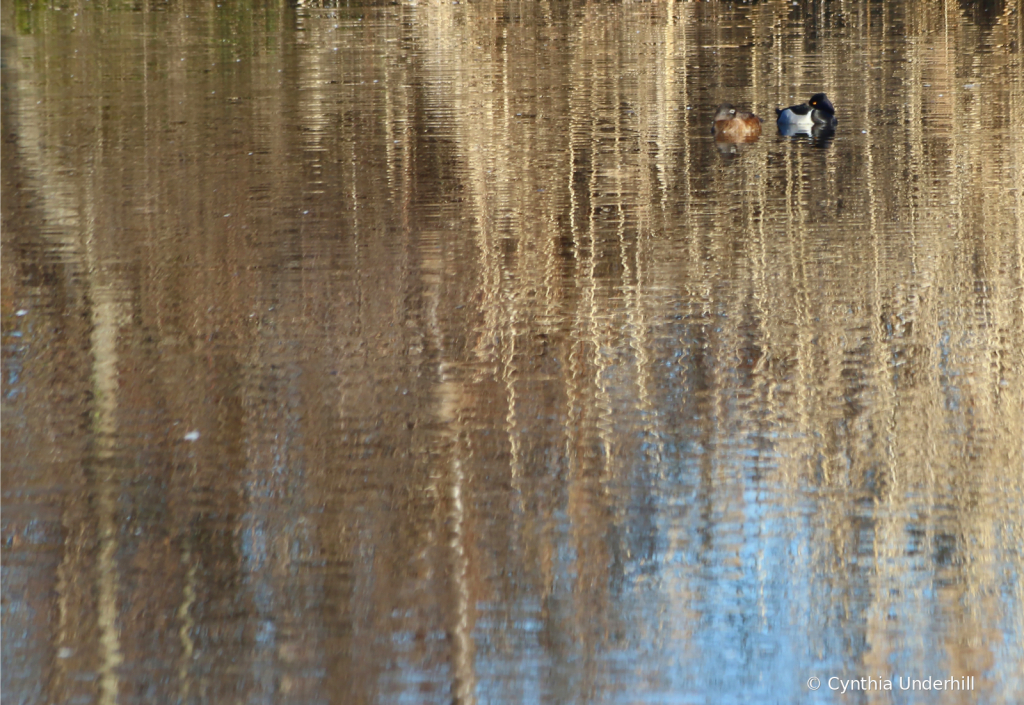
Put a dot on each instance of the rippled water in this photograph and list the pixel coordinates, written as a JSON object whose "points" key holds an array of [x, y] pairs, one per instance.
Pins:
{"points": [[432, 353]]}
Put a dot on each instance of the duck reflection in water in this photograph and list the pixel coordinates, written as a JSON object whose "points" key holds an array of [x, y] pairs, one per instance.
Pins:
{"points": [[817, 135], [731, 149]]}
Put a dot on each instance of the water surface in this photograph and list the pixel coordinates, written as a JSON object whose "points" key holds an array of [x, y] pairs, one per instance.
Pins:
{"points": [[432, 353]]}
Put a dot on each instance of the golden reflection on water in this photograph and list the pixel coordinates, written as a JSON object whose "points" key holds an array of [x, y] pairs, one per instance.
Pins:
{"points": [[436, 352]]}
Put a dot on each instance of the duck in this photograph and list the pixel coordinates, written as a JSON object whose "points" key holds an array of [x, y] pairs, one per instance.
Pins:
{"points": [[733, 125], [818, 111]]}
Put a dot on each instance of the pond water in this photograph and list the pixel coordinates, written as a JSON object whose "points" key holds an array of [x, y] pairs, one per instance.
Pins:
{"points": [[436, 352]]}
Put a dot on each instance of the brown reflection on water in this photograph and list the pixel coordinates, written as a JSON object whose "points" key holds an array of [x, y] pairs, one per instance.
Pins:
{"points": [[434, 352]]}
